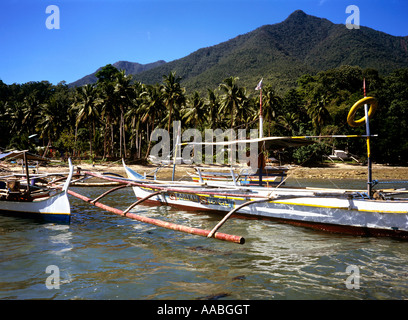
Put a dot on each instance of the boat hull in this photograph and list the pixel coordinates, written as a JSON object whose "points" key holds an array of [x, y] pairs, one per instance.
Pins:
{"points": [[52, 209], [334, 214], [329, 210]]}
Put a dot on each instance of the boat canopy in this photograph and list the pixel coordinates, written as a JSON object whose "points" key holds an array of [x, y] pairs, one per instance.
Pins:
{"points": [[270, 142], [20, 155], [285, 142]]}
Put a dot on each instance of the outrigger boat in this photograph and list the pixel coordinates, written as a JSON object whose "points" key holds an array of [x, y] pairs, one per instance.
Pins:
{"points": [[21, 197], [342, 211]]}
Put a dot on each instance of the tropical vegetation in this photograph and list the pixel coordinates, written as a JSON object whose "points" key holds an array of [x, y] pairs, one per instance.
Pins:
{"points": [[115, 117]]}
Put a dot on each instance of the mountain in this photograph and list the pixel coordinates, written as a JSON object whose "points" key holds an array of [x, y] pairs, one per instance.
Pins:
{"points": [[129, 67], [281, 52]]}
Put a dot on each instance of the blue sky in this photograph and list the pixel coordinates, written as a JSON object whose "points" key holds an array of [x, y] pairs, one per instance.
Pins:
{"points": [[94, 33]]}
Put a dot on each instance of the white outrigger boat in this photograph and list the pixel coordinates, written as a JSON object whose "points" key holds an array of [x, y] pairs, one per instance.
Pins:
{"points": [[51, 204], [342, 211]]}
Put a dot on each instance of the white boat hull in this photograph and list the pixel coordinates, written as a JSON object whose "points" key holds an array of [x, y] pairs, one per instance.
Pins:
{"points": [[362, 217], [53, 209], [329, 210]]}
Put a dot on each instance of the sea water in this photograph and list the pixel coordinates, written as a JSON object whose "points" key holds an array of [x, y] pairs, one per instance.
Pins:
{"points": [[100, 255]]}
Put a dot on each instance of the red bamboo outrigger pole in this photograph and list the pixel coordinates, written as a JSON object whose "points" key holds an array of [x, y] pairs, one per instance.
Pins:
{"points": [[163, 224]]}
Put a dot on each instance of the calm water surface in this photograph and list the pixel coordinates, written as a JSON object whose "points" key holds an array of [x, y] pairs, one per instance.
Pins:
{"points": [[103, 256]]}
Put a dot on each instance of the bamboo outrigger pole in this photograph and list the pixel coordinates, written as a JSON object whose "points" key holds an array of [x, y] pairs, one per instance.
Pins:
{"points": [[163, 224]]}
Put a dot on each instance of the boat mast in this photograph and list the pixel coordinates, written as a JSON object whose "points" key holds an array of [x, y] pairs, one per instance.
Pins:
{"points": [[369, 165], [261, 154], [259, 87], [26, 170], [176, 150]]}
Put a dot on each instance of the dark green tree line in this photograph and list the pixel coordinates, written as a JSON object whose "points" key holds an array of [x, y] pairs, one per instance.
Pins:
{"points": [[115, 117]]}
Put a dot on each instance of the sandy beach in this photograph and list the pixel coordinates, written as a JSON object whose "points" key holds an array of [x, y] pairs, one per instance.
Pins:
{"points": [[339, 171], [328, 171]]}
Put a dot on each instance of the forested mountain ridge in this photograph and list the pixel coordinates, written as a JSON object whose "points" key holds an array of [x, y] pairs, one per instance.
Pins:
{"points": [[281, 52], [129, 67]]}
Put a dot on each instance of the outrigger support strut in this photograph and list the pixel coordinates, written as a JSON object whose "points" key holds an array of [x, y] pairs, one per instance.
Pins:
{"points": [[107, 192], [142, 200], [232, 212]]}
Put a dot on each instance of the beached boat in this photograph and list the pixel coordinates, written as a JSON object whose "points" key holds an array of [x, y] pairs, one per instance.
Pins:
{"points": [[377, 213], [50, 203]]}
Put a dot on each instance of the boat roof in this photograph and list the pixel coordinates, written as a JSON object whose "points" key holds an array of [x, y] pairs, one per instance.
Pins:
{"points": [[284, 142], [270, 142], [16, 154]]}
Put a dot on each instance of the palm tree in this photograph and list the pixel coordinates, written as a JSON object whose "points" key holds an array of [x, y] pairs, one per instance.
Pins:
{"points": [[15, 115], [231, 97], [245, 111], [86, 103], [151, 106], [319, 114], [173, 95], [123, 91], [213, 106], [109, 113], [271, 104], [31, 107], [133, 114], [288, 121], [196, 110], [51, 120]]}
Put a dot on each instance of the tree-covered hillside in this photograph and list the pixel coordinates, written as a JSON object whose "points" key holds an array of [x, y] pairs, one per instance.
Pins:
{"points": [[282, 52]]}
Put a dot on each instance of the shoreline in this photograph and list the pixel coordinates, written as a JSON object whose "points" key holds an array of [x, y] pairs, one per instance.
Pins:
{"points": [[329, 171]]}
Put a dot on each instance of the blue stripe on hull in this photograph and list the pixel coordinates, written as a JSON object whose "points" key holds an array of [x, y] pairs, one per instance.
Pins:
{"points": [[57, 218]]}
